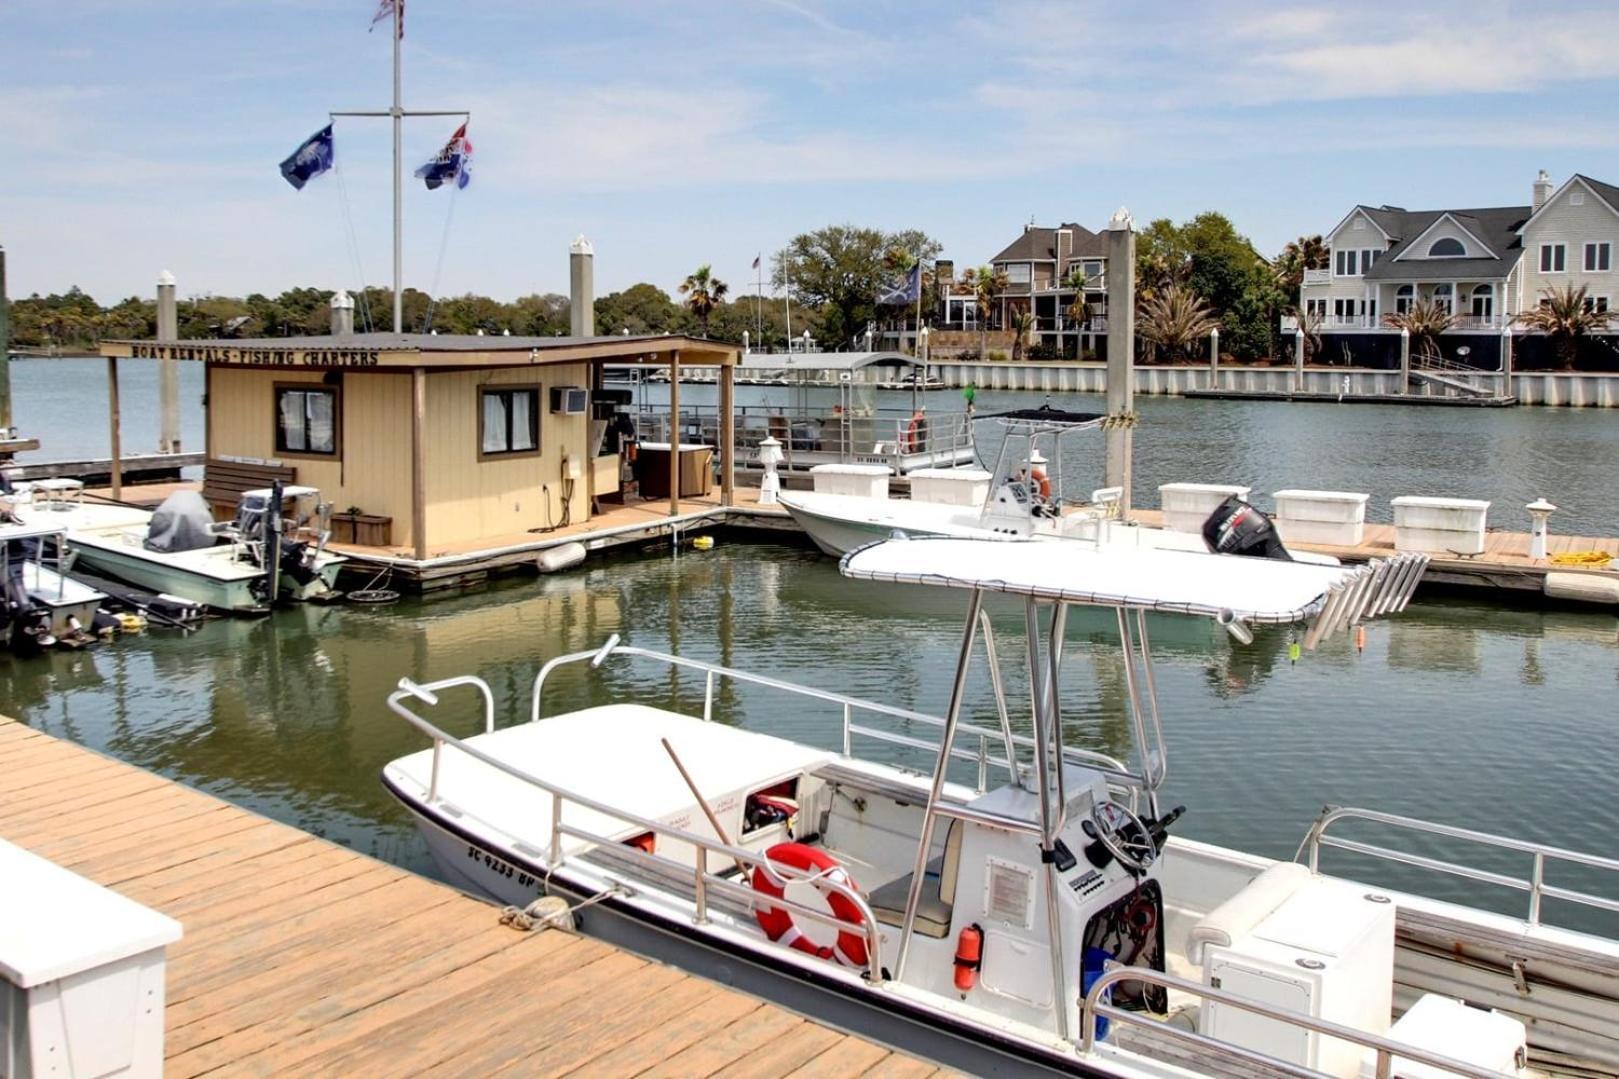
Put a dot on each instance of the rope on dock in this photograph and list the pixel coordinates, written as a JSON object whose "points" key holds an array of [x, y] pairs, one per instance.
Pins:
{"points": [[550, 911]]}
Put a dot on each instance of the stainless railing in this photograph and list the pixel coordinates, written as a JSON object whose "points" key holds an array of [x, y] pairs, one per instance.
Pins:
{"points": [[704, 883], [1094, 1008], [815, 437], [1113, 769], [1535, 884]]}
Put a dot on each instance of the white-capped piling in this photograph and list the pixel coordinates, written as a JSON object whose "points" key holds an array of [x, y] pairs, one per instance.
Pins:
{"points": [[168, 386], [581, 288], [1121, 352]]}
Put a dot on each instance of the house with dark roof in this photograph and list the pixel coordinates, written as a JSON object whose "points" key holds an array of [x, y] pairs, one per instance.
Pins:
{"points": [[1471, 262], [1046, 269]]}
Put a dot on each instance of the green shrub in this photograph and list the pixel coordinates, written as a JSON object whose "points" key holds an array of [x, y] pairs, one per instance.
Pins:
{"points": [[997, 356]]}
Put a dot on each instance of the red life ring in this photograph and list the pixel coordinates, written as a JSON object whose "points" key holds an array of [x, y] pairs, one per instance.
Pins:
{"points": [[916, 433], [1038, 478], [777, 922]]}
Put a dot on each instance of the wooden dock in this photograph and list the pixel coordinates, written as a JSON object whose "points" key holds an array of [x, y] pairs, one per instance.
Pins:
{"points": [[303, 957]]}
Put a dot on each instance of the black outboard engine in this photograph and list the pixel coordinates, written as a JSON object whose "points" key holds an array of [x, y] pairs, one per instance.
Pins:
{"points": [[292, 561], [1235, 527]]}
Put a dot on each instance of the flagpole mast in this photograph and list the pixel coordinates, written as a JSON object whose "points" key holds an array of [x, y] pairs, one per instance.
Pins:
{"points": [[399, 181], [759, 300]]}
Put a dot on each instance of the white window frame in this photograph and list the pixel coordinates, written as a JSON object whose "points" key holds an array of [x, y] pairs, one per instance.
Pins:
{"points": [[1596, 303], [1485, 292], [1448, 297], [1441, 239], [1598, 257], [1019, 273], [1404, 297], [1553, 258], [1346, 262]]}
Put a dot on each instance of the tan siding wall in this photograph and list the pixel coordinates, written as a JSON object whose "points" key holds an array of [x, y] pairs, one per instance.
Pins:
{"points": [[1573, 226], [374, 469], [471, 499]]}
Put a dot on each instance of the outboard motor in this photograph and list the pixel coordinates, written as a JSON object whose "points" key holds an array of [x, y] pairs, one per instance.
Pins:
{"points": [[1235, 527]]}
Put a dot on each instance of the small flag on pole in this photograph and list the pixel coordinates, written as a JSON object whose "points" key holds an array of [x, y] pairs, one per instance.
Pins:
{"points": [[909, 292], [309, 160], [756, 259], [385, 10], [453, 163]]}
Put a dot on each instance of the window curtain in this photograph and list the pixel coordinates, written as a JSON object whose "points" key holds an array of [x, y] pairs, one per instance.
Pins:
{"points": [[523, 420], [322, 431], [292, 420], [494, 423]]}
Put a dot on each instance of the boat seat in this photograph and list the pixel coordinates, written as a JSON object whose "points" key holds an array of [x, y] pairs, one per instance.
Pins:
{"points": [[1237, 915], [938, 891]]}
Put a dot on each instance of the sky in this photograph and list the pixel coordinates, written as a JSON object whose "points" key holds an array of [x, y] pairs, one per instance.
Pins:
{"points": [[144, 135]]}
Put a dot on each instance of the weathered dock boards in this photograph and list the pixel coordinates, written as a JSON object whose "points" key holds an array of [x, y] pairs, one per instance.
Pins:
{"points": [[303, 957]]}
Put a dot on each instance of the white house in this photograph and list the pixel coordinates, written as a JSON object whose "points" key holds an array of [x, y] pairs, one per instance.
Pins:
{"points": [[1484, 265]]}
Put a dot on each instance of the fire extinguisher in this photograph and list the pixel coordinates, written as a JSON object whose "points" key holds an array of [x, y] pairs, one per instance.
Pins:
{"points": [[969, 957]]}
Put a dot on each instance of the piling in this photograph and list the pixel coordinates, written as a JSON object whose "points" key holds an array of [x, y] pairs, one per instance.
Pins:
{"points": [[168, 329], [1121, 352], [581, 288], [5, 351]]}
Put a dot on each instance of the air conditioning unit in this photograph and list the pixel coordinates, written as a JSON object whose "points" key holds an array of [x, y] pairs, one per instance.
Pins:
{"points": [[569, 400]]}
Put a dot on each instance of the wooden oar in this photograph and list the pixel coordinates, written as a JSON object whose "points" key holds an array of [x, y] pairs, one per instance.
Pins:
{"points": [[719, 829]]}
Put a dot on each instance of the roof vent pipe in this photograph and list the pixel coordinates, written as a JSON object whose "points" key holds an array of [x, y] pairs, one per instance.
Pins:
{"points": [[342, 314], [1543, 190]]}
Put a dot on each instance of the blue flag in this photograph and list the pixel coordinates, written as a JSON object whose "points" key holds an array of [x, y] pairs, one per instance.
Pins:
{"points": [[309, 160], [451, 164], [909, 292]]}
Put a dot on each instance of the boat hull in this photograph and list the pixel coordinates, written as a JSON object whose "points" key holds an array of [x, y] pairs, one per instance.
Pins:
{"points": [[234, 595], [471, 864]]}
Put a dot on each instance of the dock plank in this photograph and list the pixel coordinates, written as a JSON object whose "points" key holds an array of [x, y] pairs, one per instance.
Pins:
{"points": [[302, 957]]}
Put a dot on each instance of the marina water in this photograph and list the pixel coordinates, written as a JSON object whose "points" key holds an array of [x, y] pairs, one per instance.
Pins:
{"points": [[1461, 712]]}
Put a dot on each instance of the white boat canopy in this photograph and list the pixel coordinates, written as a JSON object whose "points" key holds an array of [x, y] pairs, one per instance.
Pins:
{"points": [[824, 361], [1229, 588]]}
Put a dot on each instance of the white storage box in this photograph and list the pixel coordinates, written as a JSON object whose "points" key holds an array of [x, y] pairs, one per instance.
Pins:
{"points": [[1334, 517], [1326, 952], [1187, 505], [1488, 1040], [868, 481], [81, 974], [1439, 525], [950, 486]]}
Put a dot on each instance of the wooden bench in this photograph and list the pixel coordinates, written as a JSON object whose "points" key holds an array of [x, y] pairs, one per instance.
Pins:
{"points": [[224, 482]]}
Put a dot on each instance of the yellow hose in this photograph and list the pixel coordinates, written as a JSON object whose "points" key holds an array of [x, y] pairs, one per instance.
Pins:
{"points": [[1582, 558]]}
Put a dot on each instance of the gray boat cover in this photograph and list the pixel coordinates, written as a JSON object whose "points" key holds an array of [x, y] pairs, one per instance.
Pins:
{"points": [[181, 523]]}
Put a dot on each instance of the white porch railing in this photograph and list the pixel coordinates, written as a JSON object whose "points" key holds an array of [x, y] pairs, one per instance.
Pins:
{"points": [[1318, 277]]}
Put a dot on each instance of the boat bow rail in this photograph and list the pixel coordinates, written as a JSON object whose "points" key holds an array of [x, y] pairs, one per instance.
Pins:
{"points": [[704, 883]]}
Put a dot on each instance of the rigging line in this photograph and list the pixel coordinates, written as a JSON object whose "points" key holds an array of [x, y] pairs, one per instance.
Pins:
{"points": [[438, 267], [364, 304]]}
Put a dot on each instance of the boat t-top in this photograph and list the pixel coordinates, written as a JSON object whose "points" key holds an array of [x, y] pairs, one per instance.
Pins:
{"points": [[1020, 903]]}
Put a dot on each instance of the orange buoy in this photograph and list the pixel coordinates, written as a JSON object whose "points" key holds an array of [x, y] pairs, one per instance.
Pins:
{"points": [[819, 867], [1360, 638], [969, 957]]}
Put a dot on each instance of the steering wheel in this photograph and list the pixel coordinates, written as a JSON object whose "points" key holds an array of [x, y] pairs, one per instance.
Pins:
{"points": [[1124, 835]]}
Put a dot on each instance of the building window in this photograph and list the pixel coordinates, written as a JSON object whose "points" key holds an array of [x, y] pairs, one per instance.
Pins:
{"points": [[509, 420], [1596, 304], [1598, 258], [1553, 258], [306, 419], [1446, 247], [1367, 257], [1017, 273], [1092, 269], [1404, 297], [1315, 308], [1444, 297], [1346, 264], [1483, 301]]}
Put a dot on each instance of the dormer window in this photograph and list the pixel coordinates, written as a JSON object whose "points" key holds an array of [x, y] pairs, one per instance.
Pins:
{"points": [[1446, 247]]}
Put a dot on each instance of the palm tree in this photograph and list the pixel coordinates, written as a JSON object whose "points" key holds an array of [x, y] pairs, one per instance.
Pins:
{"points": [[703, 292], [1078, 312], [1174, 318], [1020, 322], [1424, 320], [1304, 253], [986, 284], [1565, 315]]}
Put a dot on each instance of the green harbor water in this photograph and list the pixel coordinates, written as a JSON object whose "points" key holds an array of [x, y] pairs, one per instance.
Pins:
{"points": [[1496, 719]]}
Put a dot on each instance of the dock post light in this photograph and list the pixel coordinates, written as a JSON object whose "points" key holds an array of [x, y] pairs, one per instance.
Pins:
{"points": [[1540, 512], [770, 483]]}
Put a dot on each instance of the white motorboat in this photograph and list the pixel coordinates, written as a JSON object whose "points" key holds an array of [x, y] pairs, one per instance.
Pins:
{"points": [[1042, 919], [1016, 501], [42, 603], [180, 551]]}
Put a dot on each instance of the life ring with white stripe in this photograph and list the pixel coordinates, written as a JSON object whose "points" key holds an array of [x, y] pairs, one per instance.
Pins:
{"points": [[819, 866], [916, 434]]}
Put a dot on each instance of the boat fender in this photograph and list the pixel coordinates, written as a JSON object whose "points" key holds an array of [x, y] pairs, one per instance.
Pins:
{"points": [[777, 922], [969, 956], [557, 559]]}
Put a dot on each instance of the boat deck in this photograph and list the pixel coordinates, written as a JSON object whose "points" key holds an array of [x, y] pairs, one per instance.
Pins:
{"points": [[301, 956], [1505, 564]]}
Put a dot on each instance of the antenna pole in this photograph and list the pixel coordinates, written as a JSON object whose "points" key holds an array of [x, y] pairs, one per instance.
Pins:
{"points": [[398, 114]]}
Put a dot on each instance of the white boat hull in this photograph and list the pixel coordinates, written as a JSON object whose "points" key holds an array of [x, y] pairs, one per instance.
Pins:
{"points": [[232, 594]]}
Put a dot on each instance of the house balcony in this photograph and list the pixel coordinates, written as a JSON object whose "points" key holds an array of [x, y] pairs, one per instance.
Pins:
{"points": [[1474, 323], [1318, 277], [1093, 283], [1095, 324]]}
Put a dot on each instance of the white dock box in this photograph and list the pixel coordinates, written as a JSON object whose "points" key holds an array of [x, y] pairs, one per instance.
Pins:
{"points": [[866, 481], [1442, 1025], [81, 975], [950, 486], [1326, 952], [1187, 505], [1439, 525], [1335, 517]]}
